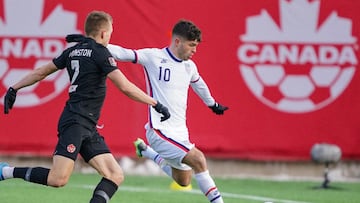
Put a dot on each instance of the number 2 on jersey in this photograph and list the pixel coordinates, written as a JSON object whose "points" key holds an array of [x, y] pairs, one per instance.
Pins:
{"points": [[75, 66], [164, 74]]}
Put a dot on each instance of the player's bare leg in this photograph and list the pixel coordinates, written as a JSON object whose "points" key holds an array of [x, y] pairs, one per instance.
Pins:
{"points": [[57, 176], [183, 178], [196, 160], [113, 176], [60, 171]]}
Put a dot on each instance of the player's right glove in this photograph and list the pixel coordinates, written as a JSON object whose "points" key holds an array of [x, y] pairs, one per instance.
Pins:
{"points": [[218, 108], [9, 99], [74, 38], [163, 110]]}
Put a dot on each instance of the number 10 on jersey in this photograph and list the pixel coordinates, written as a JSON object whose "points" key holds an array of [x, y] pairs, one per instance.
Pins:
{"points": [[164, 74]]}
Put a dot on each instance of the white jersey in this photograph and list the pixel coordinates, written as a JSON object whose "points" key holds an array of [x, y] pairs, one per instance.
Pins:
{"points": [[167, 81]]}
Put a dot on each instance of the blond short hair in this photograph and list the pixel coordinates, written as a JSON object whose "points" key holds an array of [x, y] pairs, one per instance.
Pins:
{"points": [[95, 21]]}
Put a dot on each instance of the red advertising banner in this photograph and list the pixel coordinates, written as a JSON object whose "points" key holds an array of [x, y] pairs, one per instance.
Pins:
{"points": [[287, 69]]}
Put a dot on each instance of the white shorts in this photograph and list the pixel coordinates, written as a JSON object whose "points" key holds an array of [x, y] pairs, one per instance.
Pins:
{"points": [[171, 150]]}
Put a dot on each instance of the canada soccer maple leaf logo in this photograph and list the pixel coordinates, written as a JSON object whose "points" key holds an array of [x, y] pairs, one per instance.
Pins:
{"points": [[297, 67], [28, 40]]}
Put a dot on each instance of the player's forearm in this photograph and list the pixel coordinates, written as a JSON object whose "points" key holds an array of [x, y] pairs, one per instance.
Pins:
{"points": [[137, 94], [121, 54], [202, 90], [35, 76], [24, 82], [130, 89]]}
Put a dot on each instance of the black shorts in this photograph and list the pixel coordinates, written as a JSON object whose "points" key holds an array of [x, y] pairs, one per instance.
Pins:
{"points": [[76, 138]]}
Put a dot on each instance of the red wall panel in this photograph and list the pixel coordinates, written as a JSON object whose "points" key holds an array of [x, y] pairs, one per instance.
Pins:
{"points": [[252, 85]]}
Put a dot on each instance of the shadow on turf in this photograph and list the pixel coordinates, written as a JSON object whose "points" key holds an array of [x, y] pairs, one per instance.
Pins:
{"points": [[325, 186]]}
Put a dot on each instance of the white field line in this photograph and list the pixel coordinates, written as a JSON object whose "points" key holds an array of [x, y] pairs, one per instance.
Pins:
{"points": [[194, 191], [198, 192]]}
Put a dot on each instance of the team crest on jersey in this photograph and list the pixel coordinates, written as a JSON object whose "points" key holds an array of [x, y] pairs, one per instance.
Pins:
{"points": [[112, 61], [71, 148]]}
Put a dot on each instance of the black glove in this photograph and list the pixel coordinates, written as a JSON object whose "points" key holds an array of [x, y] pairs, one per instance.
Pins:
{"points": [[218, 108], [163, 110], [9, 99], [74, 38]]}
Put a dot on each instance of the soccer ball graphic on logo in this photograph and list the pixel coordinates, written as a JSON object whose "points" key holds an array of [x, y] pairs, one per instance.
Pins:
{"points": [[298, 67], [38, 93], [36, 42]]}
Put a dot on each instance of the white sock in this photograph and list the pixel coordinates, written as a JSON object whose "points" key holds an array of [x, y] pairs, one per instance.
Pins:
{"points": [[7, 172], [208, 187], [150, 153]]}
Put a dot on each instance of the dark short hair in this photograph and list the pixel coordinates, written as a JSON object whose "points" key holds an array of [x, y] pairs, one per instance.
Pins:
{"points": [[187, 30], [95, 21]]}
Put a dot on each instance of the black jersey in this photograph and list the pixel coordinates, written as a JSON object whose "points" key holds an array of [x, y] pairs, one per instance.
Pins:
{"points": [[87, 64]]}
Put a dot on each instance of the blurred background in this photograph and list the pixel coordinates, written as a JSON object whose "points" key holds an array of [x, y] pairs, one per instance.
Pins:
{"points": [[287, 69]]}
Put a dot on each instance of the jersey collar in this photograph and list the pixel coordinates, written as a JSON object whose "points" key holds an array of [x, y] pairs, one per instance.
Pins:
{"points": [[172, 56]]}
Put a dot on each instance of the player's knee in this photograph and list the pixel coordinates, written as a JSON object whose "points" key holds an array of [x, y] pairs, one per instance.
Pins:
{"points": [[116, 177], [58, 182], [57, 179], [119, 178], [199, 162]]}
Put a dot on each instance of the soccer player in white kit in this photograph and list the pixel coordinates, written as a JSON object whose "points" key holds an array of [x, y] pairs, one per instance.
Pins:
{"points": [[169, 73]]}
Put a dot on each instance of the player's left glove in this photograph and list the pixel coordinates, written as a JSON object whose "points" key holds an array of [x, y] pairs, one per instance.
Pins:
{"points": [[163, 110], [9, 99], [218, 108], [74, 38]]}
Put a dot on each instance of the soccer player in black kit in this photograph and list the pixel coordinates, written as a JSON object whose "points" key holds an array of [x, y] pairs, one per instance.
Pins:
{"points": [[89, 64]]}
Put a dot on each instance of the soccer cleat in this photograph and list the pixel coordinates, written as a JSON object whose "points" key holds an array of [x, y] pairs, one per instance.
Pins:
{"points": [[139, 146], [2, 165]]}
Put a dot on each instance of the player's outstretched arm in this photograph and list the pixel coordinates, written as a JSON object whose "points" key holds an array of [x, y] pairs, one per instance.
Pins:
{"points": [[118, 52], [202, 90], [121, 53], [135, 93], [34, 76]]}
